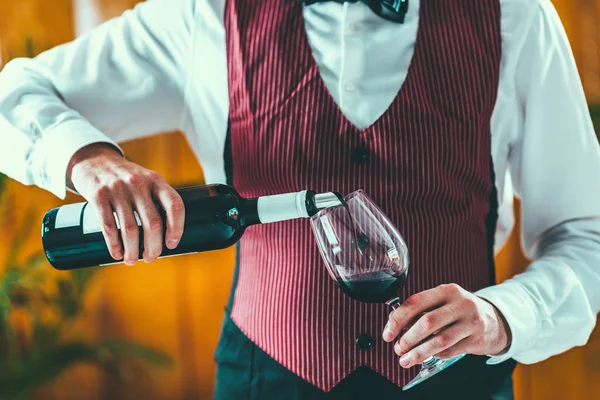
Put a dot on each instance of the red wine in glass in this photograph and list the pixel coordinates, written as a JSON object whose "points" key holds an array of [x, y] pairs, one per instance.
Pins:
{"points": [[373, 287]]}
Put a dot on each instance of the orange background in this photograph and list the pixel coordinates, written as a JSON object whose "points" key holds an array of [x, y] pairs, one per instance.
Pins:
{"points": [[177, 304]]}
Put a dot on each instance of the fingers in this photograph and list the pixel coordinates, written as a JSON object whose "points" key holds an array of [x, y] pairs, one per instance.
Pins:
{"points": [[173, 205], [410, 309], [464, 323], [114, 184], [152, 225], [434, 345], [130, 234], [109, 228], [426, 326], [463, 346]]}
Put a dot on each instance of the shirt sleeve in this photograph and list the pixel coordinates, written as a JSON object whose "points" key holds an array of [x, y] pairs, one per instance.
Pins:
{"points": [[555, 167], [121, 81]]}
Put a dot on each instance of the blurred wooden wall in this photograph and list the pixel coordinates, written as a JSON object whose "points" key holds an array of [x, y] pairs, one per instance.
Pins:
{"points": [[177, 304]]}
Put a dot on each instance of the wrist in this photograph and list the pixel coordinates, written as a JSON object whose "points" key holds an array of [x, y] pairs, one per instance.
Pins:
{"points": [[504, 332], [93, 150], [87, 154]]}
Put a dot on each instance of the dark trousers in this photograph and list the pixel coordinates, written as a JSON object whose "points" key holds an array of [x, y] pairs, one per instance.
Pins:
{"points": [[245, 372]]}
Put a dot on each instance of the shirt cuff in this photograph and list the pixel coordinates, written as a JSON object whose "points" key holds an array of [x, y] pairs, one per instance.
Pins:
{"points": [[56, 148], [520, 312]]}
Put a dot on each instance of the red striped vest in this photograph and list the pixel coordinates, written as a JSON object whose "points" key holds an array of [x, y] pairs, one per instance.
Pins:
{"points": [[426, 161]]}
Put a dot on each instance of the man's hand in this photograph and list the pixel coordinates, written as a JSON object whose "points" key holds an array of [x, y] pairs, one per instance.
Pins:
{"points": [[449, 321], [111, 183]]}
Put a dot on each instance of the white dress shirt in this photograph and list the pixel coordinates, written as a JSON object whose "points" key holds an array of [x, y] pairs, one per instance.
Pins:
{"points": [[163, 67]]}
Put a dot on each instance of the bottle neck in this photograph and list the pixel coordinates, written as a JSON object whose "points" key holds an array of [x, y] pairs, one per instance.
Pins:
{"points": [[284, 207]]}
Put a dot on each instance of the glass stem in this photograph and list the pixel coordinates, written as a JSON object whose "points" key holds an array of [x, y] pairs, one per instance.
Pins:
{"points": [[429, 360]]}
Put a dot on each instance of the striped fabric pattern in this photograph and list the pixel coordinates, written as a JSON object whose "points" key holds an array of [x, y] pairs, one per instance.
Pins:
{"points": [[426, 162]]}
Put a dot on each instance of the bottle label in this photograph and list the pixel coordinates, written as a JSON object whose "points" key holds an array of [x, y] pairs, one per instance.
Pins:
{"points": [[92, 223], [68, 216]]}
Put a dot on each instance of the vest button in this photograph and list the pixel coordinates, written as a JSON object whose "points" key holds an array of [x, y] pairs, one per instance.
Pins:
{"points": [[364, 342], [359, 155]]}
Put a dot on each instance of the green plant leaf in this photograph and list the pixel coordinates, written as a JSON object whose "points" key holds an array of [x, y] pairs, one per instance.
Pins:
{"points": [[20, 238], [81, 278], [144, 353], [45, 339], [23, 370], [35, 260], [46, 366], [42, 369], [9, 349], [11, 277]]}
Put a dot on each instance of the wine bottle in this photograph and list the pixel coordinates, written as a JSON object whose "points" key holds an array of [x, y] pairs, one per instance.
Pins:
{"points": [[215, 218]]}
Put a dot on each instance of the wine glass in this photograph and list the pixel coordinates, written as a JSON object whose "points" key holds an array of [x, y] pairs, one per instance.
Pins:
{"points": [[367, 257]]}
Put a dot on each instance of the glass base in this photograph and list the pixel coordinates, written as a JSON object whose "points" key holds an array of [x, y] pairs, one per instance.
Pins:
{"points": [[430, 367]]}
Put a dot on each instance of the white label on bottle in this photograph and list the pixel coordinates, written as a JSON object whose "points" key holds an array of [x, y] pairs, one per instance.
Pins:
{"points": [[92, 223], [281, 207], [68, 216]]}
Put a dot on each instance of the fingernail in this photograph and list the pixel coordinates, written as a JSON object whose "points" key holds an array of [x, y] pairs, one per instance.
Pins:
{"points": [[405, 360], [387, 333], [118, 256], [173, 243], [397, 349]]}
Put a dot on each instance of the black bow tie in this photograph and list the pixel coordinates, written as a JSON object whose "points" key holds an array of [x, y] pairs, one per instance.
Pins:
{"points": [[392, 10]]}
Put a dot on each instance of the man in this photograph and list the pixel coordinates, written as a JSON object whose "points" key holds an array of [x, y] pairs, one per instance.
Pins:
{"points": [[440, 110]]}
